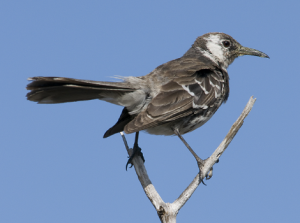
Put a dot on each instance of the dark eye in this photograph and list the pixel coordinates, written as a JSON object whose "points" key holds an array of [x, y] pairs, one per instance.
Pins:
{"points": [[226, 43]]}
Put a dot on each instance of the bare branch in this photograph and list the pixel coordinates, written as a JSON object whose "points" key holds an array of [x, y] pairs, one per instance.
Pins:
{"points": [[229, 137], [147, 185], [167, 212], [182, 199]]}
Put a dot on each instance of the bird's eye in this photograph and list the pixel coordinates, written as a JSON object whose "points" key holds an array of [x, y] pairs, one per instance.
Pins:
{"points": [[226, 43]]}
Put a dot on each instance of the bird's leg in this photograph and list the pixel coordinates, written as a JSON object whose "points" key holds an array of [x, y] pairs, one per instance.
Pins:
{"points": [[200, 161], [137, 151]]}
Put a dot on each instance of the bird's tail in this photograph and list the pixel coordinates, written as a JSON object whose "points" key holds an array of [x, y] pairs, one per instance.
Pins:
{"points": [[51, 90]]}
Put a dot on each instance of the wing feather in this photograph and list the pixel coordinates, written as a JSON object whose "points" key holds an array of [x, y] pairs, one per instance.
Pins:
{"points": [[187, 93]]}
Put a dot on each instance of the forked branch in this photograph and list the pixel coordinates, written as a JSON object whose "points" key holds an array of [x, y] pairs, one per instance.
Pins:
{"points": [[167, 212]]}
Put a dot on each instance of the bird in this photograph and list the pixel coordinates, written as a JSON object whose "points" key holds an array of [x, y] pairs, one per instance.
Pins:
{"points": [[176, 98]]}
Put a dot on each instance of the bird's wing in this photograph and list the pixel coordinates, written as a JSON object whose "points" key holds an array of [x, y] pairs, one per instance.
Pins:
{"points": [[191, 91]]}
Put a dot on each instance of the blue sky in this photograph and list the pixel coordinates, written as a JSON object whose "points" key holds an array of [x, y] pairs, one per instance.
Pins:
{"points": [[56, 167]]}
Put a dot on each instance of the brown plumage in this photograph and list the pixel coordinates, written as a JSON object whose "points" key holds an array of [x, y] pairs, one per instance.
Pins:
{"points": [[175, 98]]}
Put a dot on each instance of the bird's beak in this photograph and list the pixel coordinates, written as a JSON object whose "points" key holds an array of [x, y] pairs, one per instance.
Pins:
{"points": [[248, 51]]}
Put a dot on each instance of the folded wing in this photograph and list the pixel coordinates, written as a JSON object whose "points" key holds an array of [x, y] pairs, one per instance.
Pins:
{"points": [[181, 97]]}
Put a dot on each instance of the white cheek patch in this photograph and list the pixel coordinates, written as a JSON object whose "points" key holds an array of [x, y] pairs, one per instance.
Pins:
{"points": [[213, 45]]}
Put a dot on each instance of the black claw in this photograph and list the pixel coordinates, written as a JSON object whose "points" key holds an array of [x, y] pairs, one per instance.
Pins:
{"points": [[129, 162], [203, 182], [200, 163], [202, 179], [137, 151]]}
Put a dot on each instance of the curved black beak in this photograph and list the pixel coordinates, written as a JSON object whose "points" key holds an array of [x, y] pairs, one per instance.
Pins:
{"points": [[248, 51]]}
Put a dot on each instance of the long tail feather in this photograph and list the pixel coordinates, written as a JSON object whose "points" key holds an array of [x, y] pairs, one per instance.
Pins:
{"points": [[50, 90]]}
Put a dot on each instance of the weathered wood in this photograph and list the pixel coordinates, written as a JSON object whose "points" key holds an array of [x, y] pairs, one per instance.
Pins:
{"points": [[209, 162], [142, 174], [167, 212]]}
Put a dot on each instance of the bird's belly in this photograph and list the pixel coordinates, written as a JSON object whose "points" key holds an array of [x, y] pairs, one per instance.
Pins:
{"points": [[184, 125], [193, 123], [164, 129]]}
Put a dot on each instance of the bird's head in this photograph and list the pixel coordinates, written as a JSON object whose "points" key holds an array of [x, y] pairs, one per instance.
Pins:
{"points": [[223, 49]]}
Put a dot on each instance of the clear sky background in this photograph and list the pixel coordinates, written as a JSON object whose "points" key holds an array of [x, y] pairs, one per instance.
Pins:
{"points": [[56, 167]]}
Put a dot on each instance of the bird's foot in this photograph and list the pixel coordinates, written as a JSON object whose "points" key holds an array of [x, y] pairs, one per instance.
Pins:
{"points": [[210, 173], [137, 151], [200, 163]]}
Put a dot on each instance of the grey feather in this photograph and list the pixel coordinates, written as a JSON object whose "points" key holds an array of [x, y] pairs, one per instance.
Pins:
{"points": [[183, 93]]}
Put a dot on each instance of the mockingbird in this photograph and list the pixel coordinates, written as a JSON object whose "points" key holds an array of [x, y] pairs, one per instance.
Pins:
{"points": [[175, 98]]}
